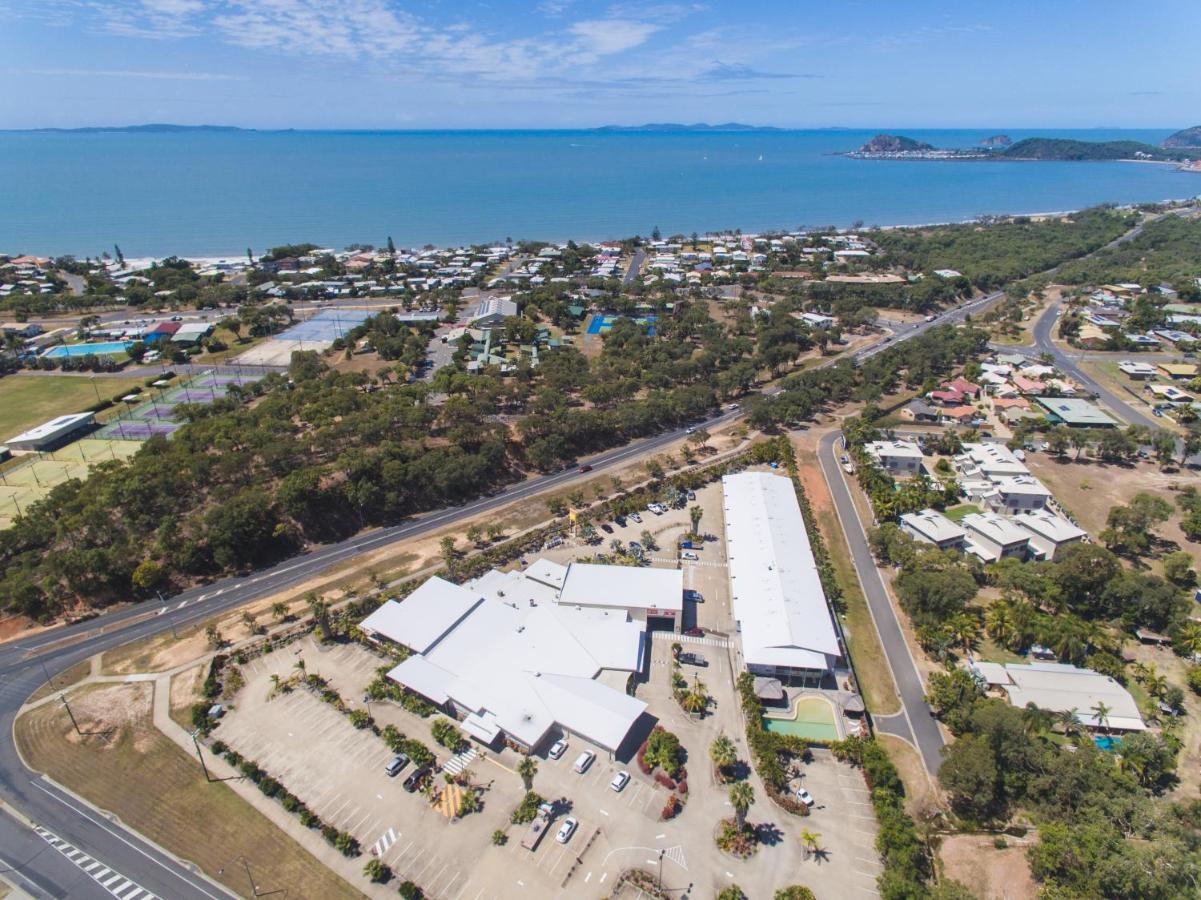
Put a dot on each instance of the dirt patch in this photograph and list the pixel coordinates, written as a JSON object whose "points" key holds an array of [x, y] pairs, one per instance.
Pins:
{"points": [[13, 627], [991, 873], [108, 710], [186, 689]]}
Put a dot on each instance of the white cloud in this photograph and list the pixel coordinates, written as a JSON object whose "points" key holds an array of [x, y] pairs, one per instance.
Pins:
{"points": [[604, 37]]}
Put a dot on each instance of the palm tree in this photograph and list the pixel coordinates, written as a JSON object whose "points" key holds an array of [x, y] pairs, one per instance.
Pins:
{"points": [[1068, 721], [320, 610], [1157, 685], [527, 769], [965, 628], [722, 752], [810, 840], [1000, 623], [1139, 671], [279, 610], [1190, 639], [694, 702], [275, 683], [1101, 713], [742, 795]]}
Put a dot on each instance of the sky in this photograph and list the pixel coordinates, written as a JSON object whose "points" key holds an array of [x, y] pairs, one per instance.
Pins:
{"points": [[402, 64]]}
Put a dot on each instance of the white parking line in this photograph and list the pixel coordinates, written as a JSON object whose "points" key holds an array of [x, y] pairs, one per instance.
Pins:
{"points": [[400, 853]]}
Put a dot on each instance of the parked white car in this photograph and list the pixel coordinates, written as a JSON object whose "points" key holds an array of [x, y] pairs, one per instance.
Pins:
{"points": [[557, 749], [805, 797], [566, 830], [689, 555], [620, 780]]}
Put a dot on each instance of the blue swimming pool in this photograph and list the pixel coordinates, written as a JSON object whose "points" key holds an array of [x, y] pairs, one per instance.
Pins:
{"points": [[1108, 743], [104, 348]]}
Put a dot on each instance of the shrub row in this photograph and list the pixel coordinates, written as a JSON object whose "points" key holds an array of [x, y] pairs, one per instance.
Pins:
{"points": [[906, 860], [344, 841]]}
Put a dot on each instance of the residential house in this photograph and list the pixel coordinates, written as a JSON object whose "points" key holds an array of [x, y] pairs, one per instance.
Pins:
{"points": [[896, 457], [992, 537], [1048, 533], [932, 527], [918, 410]]}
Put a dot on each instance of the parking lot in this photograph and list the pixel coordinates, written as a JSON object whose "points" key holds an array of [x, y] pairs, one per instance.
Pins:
{"points": [[338, 771]]}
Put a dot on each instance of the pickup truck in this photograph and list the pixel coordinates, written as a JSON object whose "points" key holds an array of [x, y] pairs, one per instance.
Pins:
{"points": [[539, 827]]}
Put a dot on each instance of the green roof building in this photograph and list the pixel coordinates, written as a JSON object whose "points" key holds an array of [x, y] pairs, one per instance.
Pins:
{"points": [[1075, 413]]}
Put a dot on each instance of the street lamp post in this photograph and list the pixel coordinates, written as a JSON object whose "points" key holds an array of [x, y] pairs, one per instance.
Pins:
{"points": [[249, 877], [661, 852], [171, 621]]}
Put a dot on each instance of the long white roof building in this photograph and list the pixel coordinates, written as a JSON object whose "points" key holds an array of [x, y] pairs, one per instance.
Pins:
{"points": [[775, 588]]}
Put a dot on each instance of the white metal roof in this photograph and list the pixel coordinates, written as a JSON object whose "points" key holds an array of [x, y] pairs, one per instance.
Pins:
{"points": [[996, 528], [425, 615], [526, 667], [1059, 687], [1047, 525], [894, 449], [625, 587], [1024, 485], [933, 525], [992, 460], [53, 428], [774, 584]]}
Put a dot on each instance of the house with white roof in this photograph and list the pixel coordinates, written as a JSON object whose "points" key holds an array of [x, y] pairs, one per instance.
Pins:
{"points": [[992, 537], [932, 527], [1048, 533], [782, 617], [896, 457], [517, 670], [492, 312], [988, 461], [1015, 494], [1063, 688]]}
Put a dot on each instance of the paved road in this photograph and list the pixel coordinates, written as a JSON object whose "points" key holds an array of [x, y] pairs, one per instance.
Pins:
{"points": [[635, 266], [21, 663], [1065, 363], [913, 723]]}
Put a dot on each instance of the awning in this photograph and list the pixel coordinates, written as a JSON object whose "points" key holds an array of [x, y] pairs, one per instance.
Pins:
{"points": [[769, 689]]}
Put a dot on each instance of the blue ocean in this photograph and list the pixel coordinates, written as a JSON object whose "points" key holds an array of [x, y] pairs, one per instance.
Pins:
{"points": [[198, 193]]}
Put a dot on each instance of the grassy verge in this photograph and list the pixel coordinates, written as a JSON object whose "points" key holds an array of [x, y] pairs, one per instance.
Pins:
{"points": [[957, 513], [206, 823], [66, 678], [918, 791], [29, 400], [875, 678], [871, 666]]}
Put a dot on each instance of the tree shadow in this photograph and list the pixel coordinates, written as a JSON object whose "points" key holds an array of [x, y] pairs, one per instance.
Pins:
{"points": [[768, 834]]}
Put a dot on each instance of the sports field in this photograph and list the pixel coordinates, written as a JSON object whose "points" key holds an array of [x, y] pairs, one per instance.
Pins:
{"points": [[32, 477], [155, 415], [29, 400]]}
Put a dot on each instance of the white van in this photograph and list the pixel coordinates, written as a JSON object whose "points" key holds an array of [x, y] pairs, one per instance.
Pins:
{"points": [[583, 761]]}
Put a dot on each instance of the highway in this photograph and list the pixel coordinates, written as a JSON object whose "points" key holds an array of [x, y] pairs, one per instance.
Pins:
{"points": [[21, 672]]}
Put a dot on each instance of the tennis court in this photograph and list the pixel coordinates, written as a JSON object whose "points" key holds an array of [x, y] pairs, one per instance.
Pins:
{"points": [[327, 325], [155, 415], [32, 477]]}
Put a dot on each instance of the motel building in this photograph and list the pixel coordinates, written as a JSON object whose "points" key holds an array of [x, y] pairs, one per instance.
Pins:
{"points": [[520, 659], [782, 617]]}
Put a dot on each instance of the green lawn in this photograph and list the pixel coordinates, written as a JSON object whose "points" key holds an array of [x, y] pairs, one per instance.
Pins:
{"points": [[956, 513], [29, 400]]}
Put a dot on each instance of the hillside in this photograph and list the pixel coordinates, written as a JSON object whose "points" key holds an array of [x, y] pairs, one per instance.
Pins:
{"points": [[893, 143], [1063, 149], [1186, 138]]}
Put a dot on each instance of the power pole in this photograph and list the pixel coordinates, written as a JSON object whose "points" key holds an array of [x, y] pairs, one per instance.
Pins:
{"points": [[200, 756]]}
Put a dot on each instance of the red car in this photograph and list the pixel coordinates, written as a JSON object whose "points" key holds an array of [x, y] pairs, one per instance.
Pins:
{"points": [[694, 632], [585, 468]]}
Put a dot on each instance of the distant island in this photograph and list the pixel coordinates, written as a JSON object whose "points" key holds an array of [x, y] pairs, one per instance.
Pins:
{"points": [[698, 126], [895, 146], [1186, 138], [151, 128]]}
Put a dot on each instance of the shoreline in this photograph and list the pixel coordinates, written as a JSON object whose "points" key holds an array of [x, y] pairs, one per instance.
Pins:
{"points": [[1041, 214], [210, 257]]}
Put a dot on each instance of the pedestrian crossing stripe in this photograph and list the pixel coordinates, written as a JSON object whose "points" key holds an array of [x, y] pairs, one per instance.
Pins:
{"points": [[706, 640], [109, 879], [457, 764], [385, 842]]}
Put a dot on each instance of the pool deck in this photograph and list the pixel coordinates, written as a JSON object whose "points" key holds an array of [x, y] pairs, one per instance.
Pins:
{"points": [[791, 712]]}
